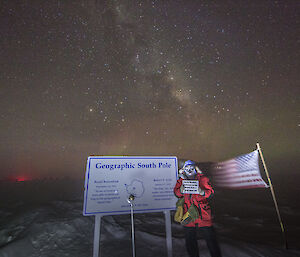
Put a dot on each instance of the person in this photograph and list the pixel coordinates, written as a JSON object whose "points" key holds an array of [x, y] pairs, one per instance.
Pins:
{"points": [[200, 219]]}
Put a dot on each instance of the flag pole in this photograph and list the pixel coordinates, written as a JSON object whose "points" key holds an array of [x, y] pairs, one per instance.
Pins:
{"points": [[273, 195]]}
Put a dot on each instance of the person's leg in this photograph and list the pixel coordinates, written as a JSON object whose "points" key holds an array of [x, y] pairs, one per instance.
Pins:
{"points": [[210, 237], [191, 241]]}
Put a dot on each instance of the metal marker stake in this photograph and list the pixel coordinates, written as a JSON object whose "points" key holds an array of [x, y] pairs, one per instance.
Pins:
{"points": [[130, 201]]}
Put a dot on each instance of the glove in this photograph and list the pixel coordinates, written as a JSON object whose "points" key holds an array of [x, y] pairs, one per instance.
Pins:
{"points": [[182, 174], [198, 170], [190, 216], [201, 191]]}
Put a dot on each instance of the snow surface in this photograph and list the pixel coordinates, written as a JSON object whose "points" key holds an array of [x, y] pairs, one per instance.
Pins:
{"points": [[44, 219]]}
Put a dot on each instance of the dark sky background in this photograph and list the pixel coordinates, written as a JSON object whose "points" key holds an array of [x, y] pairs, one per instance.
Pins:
{"points": [[202, 80]]}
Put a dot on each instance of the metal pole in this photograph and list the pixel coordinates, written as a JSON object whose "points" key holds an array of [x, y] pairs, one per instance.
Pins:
{"points": [[130, 201], [273, 195], [132, 231], [97, 235], [168, 233]]}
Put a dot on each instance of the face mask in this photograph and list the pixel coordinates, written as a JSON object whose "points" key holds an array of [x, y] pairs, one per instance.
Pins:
{"points": [[190, 171]]}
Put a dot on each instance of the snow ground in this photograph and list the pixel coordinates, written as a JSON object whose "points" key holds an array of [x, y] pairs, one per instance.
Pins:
{"points": [[44, 219]]}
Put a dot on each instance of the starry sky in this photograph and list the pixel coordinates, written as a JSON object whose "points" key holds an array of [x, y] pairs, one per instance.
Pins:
{"points": [[202, 80]]}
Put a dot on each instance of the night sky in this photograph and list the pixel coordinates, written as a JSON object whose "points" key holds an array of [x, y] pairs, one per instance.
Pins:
{"points": [[202, 80]]}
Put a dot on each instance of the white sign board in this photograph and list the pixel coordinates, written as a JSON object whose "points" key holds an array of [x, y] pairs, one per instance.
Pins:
{"points": [[110, 180], [190, 186]]}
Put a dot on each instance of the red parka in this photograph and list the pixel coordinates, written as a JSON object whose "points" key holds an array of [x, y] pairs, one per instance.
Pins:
{"points": [[201, 202]]}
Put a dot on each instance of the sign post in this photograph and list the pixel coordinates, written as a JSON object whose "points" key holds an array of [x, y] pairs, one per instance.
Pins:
{"points": [[111, 180], [168, 233], [97, 235], [130, 201]]}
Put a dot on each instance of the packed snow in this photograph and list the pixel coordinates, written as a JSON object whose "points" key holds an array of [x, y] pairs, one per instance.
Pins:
{"points": [[43, 218]]}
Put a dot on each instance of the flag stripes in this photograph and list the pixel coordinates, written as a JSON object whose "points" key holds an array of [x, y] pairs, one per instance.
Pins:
{"points": [[241, 172]]}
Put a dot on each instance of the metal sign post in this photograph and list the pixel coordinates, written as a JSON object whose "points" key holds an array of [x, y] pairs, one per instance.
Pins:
{"points": [[130, 201], [97, 235], [168, 233]]}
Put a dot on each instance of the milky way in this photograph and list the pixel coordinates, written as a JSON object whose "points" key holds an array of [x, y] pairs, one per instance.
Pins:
{"points": [[193, 79]]}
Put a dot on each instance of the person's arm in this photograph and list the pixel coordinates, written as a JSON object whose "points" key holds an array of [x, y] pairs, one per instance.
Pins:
{"points": [[177, 190], [206, 191]]}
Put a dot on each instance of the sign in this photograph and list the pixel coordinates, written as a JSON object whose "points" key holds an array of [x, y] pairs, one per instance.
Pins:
{"points": [[190, 186], [109, 181]]}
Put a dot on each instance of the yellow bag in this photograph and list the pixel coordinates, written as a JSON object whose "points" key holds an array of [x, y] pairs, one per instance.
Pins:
{"points": [[190, 216], [179, 211], [178, 214]]}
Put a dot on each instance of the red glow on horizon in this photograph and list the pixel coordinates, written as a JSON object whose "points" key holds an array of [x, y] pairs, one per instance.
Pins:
{"points": [[22, 178]]}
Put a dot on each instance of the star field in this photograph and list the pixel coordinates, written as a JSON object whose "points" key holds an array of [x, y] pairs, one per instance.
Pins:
{"points": [[192, 79]]}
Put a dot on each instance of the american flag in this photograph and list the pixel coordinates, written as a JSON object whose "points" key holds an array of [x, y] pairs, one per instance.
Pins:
{"points": [[241, 172]]}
